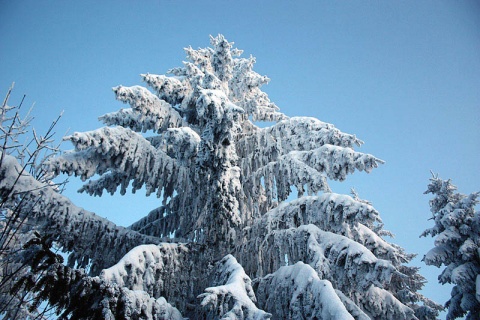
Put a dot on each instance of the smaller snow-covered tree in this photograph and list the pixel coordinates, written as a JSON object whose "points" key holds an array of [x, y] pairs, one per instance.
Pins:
{"points": [[457, 246]]}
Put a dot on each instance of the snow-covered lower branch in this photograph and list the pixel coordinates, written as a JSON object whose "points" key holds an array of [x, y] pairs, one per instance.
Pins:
{"points": [[92, 240], [231, 296], [296, 292]]}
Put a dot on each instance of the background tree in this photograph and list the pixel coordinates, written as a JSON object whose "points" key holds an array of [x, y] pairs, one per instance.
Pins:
{"points": [[226, 232], [23, 146], [457, 242]]}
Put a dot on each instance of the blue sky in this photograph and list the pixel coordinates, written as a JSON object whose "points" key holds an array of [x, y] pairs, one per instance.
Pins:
{"points": [[403, 76]]}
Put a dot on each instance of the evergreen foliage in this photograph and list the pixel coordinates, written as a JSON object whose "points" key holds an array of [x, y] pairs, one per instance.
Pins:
{"points": [[457, 246], [227, 241]]}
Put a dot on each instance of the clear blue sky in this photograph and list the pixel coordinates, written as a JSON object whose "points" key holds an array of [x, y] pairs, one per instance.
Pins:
{"points": [[404, 76]]}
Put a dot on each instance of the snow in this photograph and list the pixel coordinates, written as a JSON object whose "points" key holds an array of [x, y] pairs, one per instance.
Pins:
{"points": [[308, 296], [382, 304], [150, 111], [348, 264], [456, 232], [306, 133], [237, 287], [138, 304], [137, 269], [121, 155], [328, 210], [351, 307], [169, 89], [74, 227]]}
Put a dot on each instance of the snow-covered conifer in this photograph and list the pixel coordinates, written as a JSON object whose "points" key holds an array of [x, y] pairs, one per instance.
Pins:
{"points": [[457, 246], [227, 240]]}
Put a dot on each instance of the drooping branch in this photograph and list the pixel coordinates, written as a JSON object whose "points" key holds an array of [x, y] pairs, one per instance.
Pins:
{"points": [[296, 292], [153, 269], [75, 294], [294, 134], [244, 90], [307, 168], [148, 111], [350, 267], [93, 241], [232, 295], [169, 89], [128, 156]]}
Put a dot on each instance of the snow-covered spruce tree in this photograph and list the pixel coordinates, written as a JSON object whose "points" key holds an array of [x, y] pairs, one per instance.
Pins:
{"points": [[457, 246], [226, 241]]}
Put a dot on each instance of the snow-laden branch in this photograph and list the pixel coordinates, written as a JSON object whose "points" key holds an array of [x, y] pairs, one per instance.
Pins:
{"points": [[336, 162], [342, 215], [244, 90], [159, 222], [139, 305], [164, 270], [307, 133], [381, 304], [78, 296], [352, 308], [308, 169], [90, 239], [279, 176], [378, 246], [329, 211], [148, 268], [148, 111], [294, 134], [296, 292], [169, 89], [181, 144], [128, 155], [232, 295], [349, 266]]}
